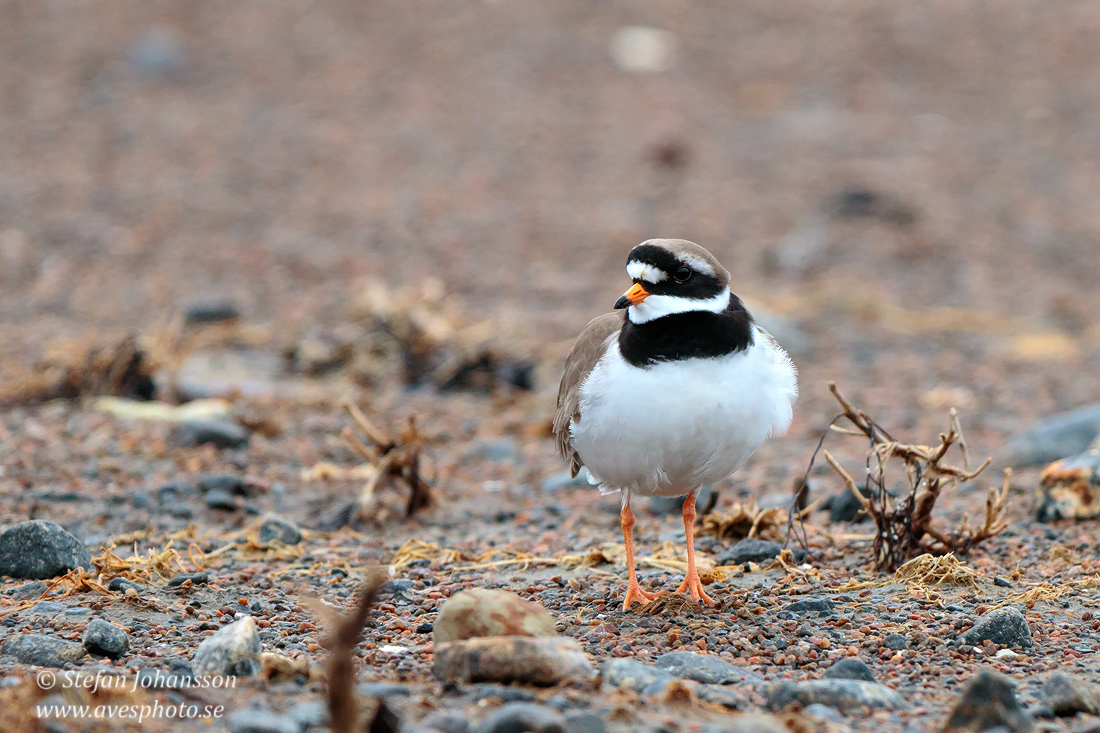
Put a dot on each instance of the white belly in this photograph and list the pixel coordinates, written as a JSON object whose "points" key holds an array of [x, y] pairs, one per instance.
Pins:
{"points": [[674, 426]]}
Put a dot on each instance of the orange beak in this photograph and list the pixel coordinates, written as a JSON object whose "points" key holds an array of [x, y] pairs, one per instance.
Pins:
{"points": [[635, 295]]}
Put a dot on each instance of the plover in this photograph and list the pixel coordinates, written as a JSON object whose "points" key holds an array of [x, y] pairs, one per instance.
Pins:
{"points": [[673, 394]]}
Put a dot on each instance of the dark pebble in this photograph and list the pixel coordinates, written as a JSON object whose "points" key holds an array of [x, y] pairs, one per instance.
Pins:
{"points": [[219, 499], [200, 578], [849, 669], [36, 550], [811, 605], [895, 642], [121, 585], [218, 433], [988, 701], [277, 529], [1004, 626], [104, 639]]}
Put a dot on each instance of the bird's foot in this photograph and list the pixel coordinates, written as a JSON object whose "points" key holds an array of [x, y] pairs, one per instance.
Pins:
{"points": [[694, 586], [634, 593]]}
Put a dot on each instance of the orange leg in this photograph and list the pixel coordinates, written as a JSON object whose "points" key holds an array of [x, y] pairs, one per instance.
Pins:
{"points": [[634, 592], [691, 583]]}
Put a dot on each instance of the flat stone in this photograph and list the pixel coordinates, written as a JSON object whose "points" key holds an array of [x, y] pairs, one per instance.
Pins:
{"points": [[1059, 436], [226, 482], [584, 723], [522, 717], [988, 701], [36, 550], [276, 529], [843, 695], [199, 578], [218, 433], [849, 668], [1003, 626], [104, 639], [232, 651], [218, 499], [121, 585], [705, 668], [260, 721], [1069, 695], [631, 675], [30, 591], [47, 608], [45, 651], [523, 659], [810, 605], [749, 550], [477, 612]]}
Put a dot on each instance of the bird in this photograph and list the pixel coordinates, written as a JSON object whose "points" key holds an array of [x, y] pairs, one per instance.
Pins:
{"points": [[673, 390]]}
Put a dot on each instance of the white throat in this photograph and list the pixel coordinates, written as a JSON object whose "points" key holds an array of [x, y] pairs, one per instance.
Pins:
{"points": [[655, 306]]}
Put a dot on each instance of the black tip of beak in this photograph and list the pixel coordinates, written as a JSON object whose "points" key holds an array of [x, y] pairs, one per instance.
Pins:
{"points": [[621, 303]]}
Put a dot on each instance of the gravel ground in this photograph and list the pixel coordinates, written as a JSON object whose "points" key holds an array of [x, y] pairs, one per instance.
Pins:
{"points": [[906, 195]]}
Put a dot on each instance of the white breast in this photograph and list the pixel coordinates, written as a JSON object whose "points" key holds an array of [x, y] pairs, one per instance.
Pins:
{"points": [[674, 426]]}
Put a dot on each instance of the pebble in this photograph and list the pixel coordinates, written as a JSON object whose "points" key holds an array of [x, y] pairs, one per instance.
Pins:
{"points": [[841, 694], [1062, 435], [522, 717], [260, 721], [823, 712], [749, 550], [218, 433], [1069, 695], [104, 639], [29, 591], [47, 608], [444, 722], [1003, 626], [232, 651], [988, 701], [218, 499], [45, 651], [505, 693], [631, 675], [583, 723], [523, 659], [225, 482], [276, 529], [211, 311], [849, 669], [896, 642], [121, 585], [199, 578], [705, 668], [477, 612], [36, 550], [810, 605], [845, 507], [729, 697]]}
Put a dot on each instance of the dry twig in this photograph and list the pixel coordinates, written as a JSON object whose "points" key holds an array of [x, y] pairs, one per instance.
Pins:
{"points": [[342, 705]]}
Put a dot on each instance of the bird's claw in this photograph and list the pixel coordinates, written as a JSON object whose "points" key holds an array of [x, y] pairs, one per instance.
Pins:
{"points": [[694, 586]]}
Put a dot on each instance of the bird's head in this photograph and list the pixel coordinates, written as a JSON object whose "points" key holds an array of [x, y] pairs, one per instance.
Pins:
{"points": [[673, 276]]}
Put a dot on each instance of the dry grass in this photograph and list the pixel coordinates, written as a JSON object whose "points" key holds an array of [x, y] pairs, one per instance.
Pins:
{"points": [[933, 571], [744, 520]]}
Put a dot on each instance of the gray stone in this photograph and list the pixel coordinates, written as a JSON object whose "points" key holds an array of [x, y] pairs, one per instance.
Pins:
{"points": [[232, 651], [1069, 695], [1060, 436], [895, 642], [260, 721], [45, 651], [705, 668], [29, 591], [810, 605], [734, 698], [522, 717], [210, 311], [533, 660], [121, 585], [823, 712], [628, 674], [218, 499], [218, 433], [1003, 626], [675, 504], [988, 701], [225, 482], [443, 721], [199, 578], [849, 668], [750, 549], [843, 695], [105, 639], [36, 550], [47, 608], [277, 529], [584, 723]]}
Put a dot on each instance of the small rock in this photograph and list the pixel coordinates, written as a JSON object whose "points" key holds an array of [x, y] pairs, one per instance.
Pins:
{"points": [[845, 507], [232, 651], [443, 721], [36, 550], [849, 668], [843, 695], [1006, 654], [478, 612], [1003, 626], [810, 605], [583, 723], [522, 717], [1062, 435], [311, 713], [121, 585], [175, 490], [749, 550], [988, 701], [179, 511], [523, 659], [45, 651], [1070, 489], [675, 504], [218, 433], [260, 721], [224, 482], [895, 642], [734, 698], [218, 499], [199, 578], [211, 311], [29, 591], [47, 608], [105, 639], [277, 529], [1069, 695], [631, 675], [705, 668]]}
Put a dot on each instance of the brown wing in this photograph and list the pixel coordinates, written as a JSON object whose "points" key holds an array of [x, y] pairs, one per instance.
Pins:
{"points": [[590, 346]]}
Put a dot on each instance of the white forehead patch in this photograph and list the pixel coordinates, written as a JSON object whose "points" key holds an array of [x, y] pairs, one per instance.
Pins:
{"points": [[642, 271], [698, 265]]}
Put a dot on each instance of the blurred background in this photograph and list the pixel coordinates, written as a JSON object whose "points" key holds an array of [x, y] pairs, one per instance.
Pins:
{"points": [[910, 188]]}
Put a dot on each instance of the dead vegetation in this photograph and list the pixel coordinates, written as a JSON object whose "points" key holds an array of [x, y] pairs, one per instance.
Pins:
{"points": [[344, 713], [745, 520], [904, 525], [416, 334]]}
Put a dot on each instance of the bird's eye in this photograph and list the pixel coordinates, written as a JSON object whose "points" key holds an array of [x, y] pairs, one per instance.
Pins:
{"points": [[682, 275]]}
